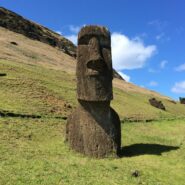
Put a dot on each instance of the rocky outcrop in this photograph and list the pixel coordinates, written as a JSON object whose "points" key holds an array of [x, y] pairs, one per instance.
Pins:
{"points": [[157, 104], [19, 24]]}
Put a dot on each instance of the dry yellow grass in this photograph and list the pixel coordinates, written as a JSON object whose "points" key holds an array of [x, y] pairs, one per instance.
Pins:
{"points": [[33, 52], [129, 87]]}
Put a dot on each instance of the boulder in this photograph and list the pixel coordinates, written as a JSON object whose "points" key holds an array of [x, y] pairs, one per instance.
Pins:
{"points": [[157, 104]]}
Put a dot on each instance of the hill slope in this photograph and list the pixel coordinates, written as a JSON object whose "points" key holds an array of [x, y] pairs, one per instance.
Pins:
{"points": [[16, 23], [32, 66], [19, 24]]}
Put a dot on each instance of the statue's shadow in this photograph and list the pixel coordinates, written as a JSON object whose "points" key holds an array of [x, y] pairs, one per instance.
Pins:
{"points": [[145, 149]]}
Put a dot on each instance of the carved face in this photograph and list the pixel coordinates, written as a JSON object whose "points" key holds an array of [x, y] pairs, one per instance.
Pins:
{"points": [[94, 66]]}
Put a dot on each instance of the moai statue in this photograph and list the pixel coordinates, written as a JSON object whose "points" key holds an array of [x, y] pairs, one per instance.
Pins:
{"points": [[94, 127]]}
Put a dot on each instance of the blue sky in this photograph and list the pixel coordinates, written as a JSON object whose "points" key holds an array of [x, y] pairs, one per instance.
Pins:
{"points": [[148, 36]]}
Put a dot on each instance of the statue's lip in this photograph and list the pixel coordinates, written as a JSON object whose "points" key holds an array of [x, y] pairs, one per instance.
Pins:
{"points": [[91, 72]]}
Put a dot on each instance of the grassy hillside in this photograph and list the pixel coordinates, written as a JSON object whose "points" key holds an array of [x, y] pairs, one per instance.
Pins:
{"points": [[37, 93], [32, 30], [34, 104], [33, 52], [33, 152], [36, 90]]}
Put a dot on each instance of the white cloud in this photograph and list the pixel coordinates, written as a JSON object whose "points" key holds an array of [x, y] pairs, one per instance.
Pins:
{"points": [[74, 29], [129, 53], [59, 32], [72, 33], [72, 38], [124, 76], [179, 87], [126, 53], [160, 36], [180, 68], [163, 64], [151, 70], [158, 25], [153, 84]]}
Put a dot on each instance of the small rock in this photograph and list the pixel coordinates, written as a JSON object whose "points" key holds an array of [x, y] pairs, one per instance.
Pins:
{"points": [[67, 105], [157, 104], [136, 173]]}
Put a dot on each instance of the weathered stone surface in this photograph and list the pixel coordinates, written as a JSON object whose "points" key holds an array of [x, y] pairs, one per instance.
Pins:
{"points": [[94, 127], [182, 100], [157, 104], [94, 66]]}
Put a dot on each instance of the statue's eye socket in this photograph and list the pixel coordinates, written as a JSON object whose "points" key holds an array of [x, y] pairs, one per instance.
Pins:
{"points": [[104, 42], [84, 40]]}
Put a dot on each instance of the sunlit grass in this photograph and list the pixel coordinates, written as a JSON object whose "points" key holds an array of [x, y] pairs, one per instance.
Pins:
{"points": [[33, 89], [33, 151]]}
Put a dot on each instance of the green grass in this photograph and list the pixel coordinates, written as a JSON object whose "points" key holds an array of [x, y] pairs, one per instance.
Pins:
{"points": [[32, 89], [35, 90], [135, 106], [33, 151]]}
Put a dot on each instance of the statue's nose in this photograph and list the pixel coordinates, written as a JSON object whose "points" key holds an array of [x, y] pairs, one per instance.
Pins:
{"points": [[95, 61], [94, 50]]}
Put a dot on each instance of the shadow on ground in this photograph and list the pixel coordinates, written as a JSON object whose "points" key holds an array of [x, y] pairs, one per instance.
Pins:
{"points": [[11, 114], [142, 149], [17, 115]]}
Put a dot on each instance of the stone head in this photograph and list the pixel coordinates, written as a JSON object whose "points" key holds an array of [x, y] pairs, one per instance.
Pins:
{"points": [[94, 64]]}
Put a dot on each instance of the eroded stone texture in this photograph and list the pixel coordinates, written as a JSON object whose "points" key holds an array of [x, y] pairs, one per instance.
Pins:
{"points": [[94, 65], [94, 127]]}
